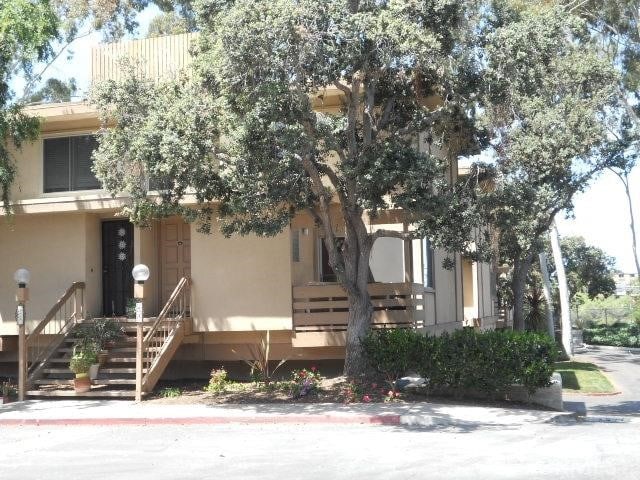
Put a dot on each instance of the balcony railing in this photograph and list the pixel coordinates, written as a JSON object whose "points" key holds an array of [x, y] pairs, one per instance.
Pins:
{"points": [[324, 307]]}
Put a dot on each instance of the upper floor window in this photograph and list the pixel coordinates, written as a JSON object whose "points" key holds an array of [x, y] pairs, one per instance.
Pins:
{"points": [[427, 263], [67, 164]]}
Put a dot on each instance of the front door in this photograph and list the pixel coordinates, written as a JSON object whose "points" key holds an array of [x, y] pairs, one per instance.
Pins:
{"points": [[175, 254], [117, 263]]}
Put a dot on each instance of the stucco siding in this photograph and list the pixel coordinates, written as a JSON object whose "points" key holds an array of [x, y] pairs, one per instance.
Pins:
{"points": [[241, 283]]}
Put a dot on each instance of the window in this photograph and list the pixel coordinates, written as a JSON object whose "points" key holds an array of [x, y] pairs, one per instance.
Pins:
{"points": [[295, 245], [68, 162], [427, 263], [326, 272]]}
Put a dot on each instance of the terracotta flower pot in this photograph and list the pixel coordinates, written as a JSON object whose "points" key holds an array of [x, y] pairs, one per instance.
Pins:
{"points": [[82, 384]]}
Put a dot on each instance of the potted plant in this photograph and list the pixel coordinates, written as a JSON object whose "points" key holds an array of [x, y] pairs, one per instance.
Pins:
{"points": [[103, 333], [84, 356], [8, 392], [131, 308]]}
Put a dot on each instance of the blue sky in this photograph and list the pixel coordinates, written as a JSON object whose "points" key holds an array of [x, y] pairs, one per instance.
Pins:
{"points": [[601, 212]]}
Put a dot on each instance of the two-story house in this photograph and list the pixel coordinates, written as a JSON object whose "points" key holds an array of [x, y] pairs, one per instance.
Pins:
{"points": [[68, 233]]}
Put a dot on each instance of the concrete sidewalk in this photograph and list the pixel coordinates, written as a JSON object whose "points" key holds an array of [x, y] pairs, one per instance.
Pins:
{"points": [[109, 412]]}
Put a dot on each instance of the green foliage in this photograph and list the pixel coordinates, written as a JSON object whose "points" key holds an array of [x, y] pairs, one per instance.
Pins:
{"points": [[546, 92], [305, 382], [167, 23], [393, 352], [54, 91], [259, 359], [84, 355], [536, 310], [589, 270], [467, 360], [170, 392], [27, 29], [218, 381], [617, 334], [100, 332]]}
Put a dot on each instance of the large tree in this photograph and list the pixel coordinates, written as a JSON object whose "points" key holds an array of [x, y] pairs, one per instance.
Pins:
{"points": [[589, 269], [545, 97], [615, 24], [244, 138], [27, 29]]}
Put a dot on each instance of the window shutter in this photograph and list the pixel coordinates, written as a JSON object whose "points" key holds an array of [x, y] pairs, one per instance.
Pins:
{"points": [[56, 164], [83, 177]]}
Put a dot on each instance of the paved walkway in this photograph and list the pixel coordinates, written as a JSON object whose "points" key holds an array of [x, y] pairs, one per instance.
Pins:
{"points": [[110, 412], [623, 369]]}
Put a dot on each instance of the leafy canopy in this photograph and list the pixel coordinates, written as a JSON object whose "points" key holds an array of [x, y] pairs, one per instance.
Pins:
{"points": [[256, 129], [27, 29]]}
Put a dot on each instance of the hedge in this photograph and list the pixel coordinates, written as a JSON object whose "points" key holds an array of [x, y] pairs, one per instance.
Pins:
{"points": [[487, 361], [617, 334]]}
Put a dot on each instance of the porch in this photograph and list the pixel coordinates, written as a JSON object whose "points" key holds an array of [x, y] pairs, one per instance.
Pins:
{"points": [[320, 311]]}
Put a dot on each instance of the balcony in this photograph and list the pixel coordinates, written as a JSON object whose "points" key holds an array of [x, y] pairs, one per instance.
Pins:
{"points": [[320, 311]]}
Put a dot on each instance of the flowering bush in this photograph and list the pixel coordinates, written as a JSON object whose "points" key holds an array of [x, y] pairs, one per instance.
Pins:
{"points": [[218, 381], [355, 391], [305, 382]]}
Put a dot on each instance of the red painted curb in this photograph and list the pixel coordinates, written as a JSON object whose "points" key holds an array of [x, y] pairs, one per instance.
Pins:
{"points": [[288, 419]]}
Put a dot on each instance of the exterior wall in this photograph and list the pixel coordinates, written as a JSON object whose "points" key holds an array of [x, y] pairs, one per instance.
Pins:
{"points": [[145, 251], [230, 346], [93, 271], [241, 283], [53, 248], [157, 56]]}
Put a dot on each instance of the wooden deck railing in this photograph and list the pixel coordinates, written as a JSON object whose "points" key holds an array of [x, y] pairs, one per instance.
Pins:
{"points": [[51, 331], [163, 337], [324, 307]]}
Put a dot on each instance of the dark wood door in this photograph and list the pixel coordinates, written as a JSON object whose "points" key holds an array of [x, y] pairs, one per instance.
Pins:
{"points": [[117, 263]]}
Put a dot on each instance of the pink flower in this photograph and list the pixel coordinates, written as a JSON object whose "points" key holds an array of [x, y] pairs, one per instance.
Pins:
{"points": [[313, 368], [366, 399], [390, 393]]}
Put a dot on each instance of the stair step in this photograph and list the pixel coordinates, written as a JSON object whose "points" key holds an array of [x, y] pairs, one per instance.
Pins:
{"points": [[53, 381], [56, 370], [100, 381], [129, 359], [115, 381], [120, 370], [91, 393]]}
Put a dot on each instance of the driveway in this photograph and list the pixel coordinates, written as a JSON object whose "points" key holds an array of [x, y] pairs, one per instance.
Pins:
{"points": [[623, 369]]}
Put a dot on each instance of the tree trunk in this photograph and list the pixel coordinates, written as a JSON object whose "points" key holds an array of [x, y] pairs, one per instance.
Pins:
{"points": [[521, 268], [546, 288], [565, 313], [356, 258], [632, 223], [360, 313]]}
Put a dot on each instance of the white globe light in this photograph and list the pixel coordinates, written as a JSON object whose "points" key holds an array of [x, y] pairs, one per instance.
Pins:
{"points": [[22, 276], [140, 273]]}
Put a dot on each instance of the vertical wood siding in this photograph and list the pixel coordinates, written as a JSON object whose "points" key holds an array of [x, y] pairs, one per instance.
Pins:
{"points": [[156, 57]]}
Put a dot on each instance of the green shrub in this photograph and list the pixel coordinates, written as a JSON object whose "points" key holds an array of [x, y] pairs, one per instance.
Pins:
{"points": [[170, 392], [617, 335], [305, 382], [392, 352], [465, 359], [218, 381]]}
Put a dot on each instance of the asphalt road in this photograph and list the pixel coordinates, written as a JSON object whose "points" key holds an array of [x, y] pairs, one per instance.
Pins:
{"points": [[270, 452], [623, 369]]}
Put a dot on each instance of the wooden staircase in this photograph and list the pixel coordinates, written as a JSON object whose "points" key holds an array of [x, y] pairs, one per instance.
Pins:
{"points": [[50, 375], [116, 378]]}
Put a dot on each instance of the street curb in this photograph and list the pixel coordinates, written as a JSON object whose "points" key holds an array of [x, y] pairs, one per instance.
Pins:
{"points": [[386, 419], [590, 347], [282, 419]]}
